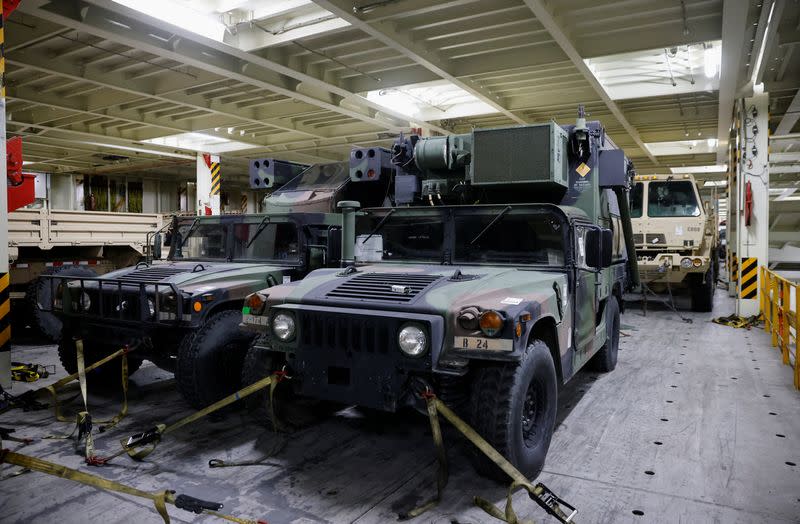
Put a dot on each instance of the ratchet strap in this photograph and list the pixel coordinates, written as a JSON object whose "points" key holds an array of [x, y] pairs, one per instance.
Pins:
{"points": [[736, 321], [159, 498], [540, 493], [140, 445]]}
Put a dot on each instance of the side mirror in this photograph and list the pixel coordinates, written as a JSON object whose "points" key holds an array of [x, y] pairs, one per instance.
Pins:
{"points": [[599, 248], [334, 246], [157, 246]]}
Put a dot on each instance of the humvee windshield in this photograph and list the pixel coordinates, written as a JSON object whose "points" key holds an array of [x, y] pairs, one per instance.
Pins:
{"points": [[241, 239], [319, 177], [490, 235]]}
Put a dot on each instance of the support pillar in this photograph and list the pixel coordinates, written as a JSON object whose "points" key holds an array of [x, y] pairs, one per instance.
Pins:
{"points": [[209, 178], [5, 302], [752, 195]]}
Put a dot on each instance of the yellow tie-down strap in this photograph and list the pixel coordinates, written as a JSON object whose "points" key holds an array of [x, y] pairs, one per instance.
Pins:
{"points": [[540, 493]]}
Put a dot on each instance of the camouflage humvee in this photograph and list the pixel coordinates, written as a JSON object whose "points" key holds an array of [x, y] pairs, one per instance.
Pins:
{"points": [[676, 237], [184, 312], [492, 306]]}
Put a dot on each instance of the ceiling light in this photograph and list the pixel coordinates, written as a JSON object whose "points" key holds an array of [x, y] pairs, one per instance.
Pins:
{"points": [[711, 60], [180, 15], [430, 101], [200, 142], [763, 46], [712, 142], [715, 183], [140, 149], [699, 169]]}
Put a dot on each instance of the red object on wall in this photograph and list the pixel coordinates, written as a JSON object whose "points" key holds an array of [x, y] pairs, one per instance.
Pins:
{"points": [[20, 187], [9, 6], [207, 160], [748, 203]]}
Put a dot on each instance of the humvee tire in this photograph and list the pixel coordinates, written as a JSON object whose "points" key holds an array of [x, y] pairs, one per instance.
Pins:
{"points": [[39, 292], [605, 360], [107, 376], [209, 365], [513, 406], [703, 288]]}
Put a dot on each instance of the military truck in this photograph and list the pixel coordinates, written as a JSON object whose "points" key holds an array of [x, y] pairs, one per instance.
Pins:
{"points": [[183, 314], [676, 237], [490, 305]]}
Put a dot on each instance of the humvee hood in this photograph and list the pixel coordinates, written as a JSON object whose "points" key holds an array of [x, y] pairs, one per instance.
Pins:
{"points": [[189, 272], [422, 288]]}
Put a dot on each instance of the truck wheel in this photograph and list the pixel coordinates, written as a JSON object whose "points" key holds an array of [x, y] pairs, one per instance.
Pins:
{"points": [[39, 292], [605, 360], [106, 376], [703, 292], [210, 360], [513, 406], [260, 363]]}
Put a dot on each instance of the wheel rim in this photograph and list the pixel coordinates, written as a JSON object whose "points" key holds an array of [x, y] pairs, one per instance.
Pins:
{"points": [[533, 410]]}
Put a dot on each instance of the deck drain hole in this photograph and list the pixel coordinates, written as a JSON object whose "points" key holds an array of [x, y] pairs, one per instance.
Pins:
{"points": [[683, 354], [658, 443], [677, 372], [779, 435], [790, 463], [648, 472], [734, 378], [638, 512], [673, 386], [765, 396], [664, 420], [670, 401], [681, 363], [757, 368], [772, 413], [754, 360]]}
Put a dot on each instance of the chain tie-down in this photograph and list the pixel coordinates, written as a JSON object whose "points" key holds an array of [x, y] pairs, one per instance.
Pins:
{"points": [[540, 493], [160, 498], [140, 445]]}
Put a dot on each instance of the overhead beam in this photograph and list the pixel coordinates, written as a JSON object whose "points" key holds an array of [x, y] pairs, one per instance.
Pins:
{"points": [[734, 22], [547, 20], [791, 116], [430, 59]]}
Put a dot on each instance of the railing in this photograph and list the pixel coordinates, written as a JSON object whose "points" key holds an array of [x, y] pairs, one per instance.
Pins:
{"points": [[779, 299]]}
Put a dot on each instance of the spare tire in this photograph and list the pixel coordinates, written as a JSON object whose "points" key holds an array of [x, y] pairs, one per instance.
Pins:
{"points": [[39, 293]]}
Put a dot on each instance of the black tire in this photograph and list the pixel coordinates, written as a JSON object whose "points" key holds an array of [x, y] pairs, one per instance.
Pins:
{"points": [[260, 363], [39, 292], [210, 360], [703, 292], [500, 395], [108, 375], [605, 360]]}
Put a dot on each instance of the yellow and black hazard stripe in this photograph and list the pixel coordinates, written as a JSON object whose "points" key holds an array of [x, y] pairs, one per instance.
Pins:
{"points": [[5, 313], [2, 59], [243, 203], [216, 178], [749, 279], [734, 267]]}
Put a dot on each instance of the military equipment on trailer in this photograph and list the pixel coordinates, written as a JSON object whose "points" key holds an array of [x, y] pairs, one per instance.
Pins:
{"points": [[185, 310], [676, 237], [500, 282]]}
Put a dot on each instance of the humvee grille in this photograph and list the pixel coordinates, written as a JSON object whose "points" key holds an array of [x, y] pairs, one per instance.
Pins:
{"points": [[151, 274], [338, 332], [391, 287]]}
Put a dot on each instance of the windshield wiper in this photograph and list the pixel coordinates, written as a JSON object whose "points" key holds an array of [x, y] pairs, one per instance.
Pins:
{"points": [[380, 224], [261, 227], [491, 224], [191, 230]]}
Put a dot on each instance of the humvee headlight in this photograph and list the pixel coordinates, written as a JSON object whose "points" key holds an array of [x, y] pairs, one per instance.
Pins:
{"points": [[283, 326], [491, 323], [85, 301], [412, 340], [686, 263]]}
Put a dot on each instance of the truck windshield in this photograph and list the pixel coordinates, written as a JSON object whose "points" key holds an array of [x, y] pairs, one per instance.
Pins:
{"points": [[524, 238], [401, 237], [672, 198], [319, 177], [216, 239], [636, 200]]}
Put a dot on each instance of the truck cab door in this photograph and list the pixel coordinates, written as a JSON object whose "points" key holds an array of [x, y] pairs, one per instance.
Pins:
{"points": [[585, 303]]}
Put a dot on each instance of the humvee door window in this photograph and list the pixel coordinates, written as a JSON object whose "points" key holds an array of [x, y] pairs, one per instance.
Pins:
{"points": [[673, 198], [419, 238], [636, 200], [276, 241], [517, 239], [204, 241]]}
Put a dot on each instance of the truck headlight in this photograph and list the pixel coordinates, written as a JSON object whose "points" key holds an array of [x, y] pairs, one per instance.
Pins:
{"points": [[283, 326], [686, 263], [85, 301], [412, 340]]}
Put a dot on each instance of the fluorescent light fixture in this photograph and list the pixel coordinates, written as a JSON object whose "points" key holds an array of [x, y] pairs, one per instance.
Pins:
{"points": [[763, 46], [681, 147], [139, 150], [699, 169], [712, 143], [180, 14], [788, 199], [200, 142], [715, 183], [786, 194], [712, 57], [430, 101], [27, 162]]}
